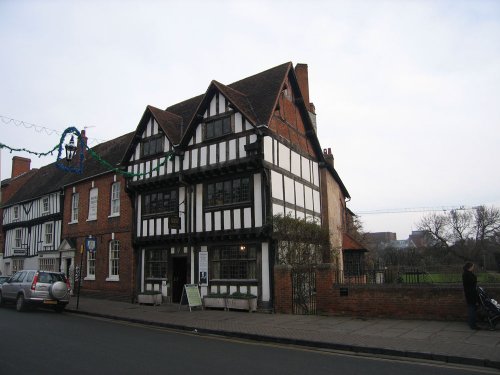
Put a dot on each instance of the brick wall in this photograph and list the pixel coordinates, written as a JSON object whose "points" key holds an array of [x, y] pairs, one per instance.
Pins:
{"points": [[283, 289], [103, 229], [430, 302]]}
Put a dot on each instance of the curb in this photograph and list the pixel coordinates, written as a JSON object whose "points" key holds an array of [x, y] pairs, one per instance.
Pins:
{"points": [[306, 343]]}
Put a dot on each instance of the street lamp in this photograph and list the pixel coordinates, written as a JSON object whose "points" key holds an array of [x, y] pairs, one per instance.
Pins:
{"points": [[70, 149]]}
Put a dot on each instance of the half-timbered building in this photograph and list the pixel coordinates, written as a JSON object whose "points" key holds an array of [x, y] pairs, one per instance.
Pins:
{"points": [[32, 221], [209, 173]]}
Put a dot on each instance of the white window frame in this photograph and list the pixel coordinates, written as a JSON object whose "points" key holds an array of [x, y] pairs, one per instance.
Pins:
{"points": [[115, 199], [93, 199], [75, 203], [18, 238], [48, 234], [91, 257], [114, 261], [45, 205], [47, 264]]}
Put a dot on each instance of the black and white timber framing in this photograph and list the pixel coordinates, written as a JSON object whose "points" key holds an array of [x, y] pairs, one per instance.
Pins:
{"points": [[219, 144]]}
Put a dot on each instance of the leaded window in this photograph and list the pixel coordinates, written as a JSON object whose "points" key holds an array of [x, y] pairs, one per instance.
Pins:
{"points": [[236, 190], [218, 128], [233, 262], [152, 145], [160, 202], [155, 266]]}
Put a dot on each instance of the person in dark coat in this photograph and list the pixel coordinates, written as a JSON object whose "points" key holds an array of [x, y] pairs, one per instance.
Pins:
{"points": [[469, 281]]}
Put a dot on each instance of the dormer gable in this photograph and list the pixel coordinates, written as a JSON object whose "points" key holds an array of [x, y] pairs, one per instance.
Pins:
{"points": [[157, 132]]}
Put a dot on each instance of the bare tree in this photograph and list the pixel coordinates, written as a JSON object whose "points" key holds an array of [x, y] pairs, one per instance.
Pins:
{"points": [[465, 235]]}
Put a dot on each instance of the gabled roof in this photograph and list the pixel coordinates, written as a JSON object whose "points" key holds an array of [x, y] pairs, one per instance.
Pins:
{"points": [[170, 123], [49, 178], [255, 97], [239, 100]]}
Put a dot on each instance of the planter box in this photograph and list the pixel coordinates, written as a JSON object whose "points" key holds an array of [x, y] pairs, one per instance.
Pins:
{"points": [[214, 302], [249, 304], [150, 299]]}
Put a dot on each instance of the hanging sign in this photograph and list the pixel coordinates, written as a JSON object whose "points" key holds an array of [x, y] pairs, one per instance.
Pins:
{"points": [[174, 222], [90, 244]]}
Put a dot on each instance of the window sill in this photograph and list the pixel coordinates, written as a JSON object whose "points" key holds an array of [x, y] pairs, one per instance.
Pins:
{"points": [[89, 278], [113, 215], [92, 219], [72, 222], [115, 279]]}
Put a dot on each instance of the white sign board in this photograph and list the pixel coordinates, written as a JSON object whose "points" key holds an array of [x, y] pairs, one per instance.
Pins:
{"points": [[203, 268]]}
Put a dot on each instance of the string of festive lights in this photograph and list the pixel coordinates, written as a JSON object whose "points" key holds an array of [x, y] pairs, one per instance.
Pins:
{"points": [[39, 129], [79, 169]]}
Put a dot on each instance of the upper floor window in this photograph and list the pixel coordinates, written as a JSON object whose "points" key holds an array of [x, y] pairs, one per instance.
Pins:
{"points": [[15, 213], [218, 128], [160, 202], [152, 145], [18, 238], [114, 259], [45, 205], [74, 207], [115, 199], [48, 234], [236, 190], [93, 204]]}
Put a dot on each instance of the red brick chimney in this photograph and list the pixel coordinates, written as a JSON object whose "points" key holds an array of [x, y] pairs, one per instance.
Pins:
{"points": [[20, 165], [79, 146]]}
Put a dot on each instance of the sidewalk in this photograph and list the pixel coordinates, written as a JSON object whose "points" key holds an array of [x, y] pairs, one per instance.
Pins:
{"points": [[451, 342]]}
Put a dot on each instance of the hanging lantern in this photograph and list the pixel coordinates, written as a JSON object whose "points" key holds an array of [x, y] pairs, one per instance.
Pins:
{"points": [[70, 149]]}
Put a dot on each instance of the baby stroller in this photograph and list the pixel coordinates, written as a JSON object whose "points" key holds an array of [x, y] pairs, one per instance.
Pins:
{"points": [[489, 308]]}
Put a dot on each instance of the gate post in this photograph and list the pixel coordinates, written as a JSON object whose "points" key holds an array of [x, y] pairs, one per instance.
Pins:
{"points": [[283, 294], [325, 280]]}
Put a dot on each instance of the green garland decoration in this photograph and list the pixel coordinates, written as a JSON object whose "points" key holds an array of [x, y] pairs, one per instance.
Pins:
{"points": [[168, 156]]}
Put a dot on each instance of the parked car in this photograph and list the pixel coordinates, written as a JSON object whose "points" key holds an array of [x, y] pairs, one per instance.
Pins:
{"points": [[4, 279], [36, 288]]}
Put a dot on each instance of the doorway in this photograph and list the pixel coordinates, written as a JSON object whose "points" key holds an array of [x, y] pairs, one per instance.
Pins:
{"points": [[179, 276]]}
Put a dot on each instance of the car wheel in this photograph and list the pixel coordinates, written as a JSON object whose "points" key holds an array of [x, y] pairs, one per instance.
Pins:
{"points": [[1, 299], [20, 304]]}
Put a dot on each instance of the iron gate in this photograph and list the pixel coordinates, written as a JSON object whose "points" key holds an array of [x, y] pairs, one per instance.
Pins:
{"points": [[304, 291]]}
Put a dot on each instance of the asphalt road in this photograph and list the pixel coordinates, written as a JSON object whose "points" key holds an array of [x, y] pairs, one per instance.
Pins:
{"points": [[44, 342]]}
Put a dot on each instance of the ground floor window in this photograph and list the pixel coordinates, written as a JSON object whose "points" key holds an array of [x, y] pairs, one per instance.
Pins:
{"points": [[47, 264], [114, 259], [91, 264], [233, 262], [155, 266], [17, 265]]}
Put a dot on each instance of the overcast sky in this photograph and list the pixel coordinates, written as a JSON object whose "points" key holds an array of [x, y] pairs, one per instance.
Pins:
{"points": [[406, 92]]}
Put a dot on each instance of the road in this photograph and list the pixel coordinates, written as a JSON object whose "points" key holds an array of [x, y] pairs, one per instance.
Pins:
{"points": [[44, 342]]}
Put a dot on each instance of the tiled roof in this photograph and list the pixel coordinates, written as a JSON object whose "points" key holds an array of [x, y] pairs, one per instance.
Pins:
{"points": [[349, 243], [49, 179]]}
